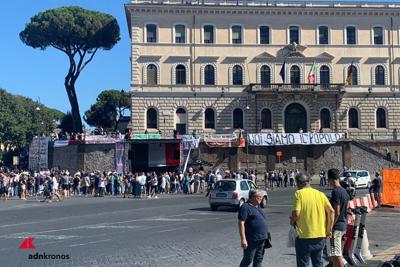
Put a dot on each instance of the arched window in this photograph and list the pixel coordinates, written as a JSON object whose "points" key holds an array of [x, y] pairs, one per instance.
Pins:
{"points": [[325, 117], [209, 75], [265, 73], [181, 121], [180, 74], [353, 118], [295, 75], [266, 122], [324, 76], [238, 119], [151, 118], [352, 75], [379, 75], [237, 75], [381, 118], [151, 74], [209, 119]]}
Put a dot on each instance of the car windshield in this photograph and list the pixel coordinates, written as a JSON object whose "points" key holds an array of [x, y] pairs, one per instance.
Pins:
{"points": [[226, 185], [347, 174]]}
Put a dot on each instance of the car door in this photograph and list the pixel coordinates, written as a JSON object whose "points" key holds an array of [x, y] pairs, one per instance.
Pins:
{"points": [[244, 190]]}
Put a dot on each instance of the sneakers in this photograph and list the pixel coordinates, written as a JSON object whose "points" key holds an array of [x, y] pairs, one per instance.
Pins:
{"points": [[156, 197]]}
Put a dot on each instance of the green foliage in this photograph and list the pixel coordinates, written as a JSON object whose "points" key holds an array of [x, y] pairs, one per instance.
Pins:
{"points": [[109, 108], [77, 32], [20, 120], [71, 27], [66, 123]]}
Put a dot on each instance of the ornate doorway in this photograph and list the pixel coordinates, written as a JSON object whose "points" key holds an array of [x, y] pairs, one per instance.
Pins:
{"points": [[295, 118]]}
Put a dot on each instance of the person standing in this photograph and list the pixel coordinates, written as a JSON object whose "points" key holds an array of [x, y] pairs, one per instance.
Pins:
{"points": [[339, 201], [312, 216], [253, 230], [377, 188]]}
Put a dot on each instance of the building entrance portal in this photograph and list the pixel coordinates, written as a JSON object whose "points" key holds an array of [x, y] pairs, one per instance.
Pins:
{"points": [[295, 118]]}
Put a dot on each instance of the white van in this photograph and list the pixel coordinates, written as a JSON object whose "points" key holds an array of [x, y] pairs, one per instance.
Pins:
{"points": [[360, 177]]}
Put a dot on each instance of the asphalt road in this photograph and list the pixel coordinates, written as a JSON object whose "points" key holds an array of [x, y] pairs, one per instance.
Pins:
{"points": [[173, 230]]}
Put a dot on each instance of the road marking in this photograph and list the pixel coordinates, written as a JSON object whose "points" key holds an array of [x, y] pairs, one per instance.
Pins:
{"points": [[173, 229], [387, 254], [89, 243], [38, 236]]}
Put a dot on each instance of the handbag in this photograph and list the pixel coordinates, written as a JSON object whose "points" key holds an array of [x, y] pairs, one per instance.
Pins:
{"points": [[292, 237], [267, 242]]}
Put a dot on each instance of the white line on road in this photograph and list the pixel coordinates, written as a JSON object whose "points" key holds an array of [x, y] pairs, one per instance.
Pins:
{"points": [[89, 243], [173, 229]]}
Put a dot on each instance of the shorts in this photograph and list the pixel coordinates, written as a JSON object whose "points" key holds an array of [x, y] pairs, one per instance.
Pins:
{"points": [[65, 187], [334, 245]]}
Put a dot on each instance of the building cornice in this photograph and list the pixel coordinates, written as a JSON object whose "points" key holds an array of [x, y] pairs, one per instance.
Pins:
{"points": [[339, 10]]}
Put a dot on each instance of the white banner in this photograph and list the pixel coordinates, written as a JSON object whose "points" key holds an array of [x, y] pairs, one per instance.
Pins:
{"points": [[285, 139]]}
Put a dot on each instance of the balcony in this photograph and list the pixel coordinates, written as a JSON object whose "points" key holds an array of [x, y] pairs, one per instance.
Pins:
{"points": [[301, 87]]}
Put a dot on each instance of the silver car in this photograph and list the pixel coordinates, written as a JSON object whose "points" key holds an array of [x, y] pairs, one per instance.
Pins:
{"points": [[231, 192]]}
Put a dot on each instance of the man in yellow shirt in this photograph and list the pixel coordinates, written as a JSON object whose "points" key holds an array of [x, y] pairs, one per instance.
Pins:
{"points": [[312, 216]]}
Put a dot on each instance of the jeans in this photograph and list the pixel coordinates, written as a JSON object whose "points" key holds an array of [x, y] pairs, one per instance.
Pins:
{"points": [[253, 253], [306, 248]]}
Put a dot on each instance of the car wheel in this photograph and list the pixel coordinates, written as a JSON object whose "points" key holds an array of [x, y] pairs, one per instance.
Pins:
{"points": [[368, 185], [264, 203], [214, 207]]}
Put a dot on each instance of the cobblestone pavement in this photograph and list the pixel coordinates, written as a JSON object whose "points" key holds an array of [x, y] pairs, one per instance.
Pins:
{"points": [[169, 231]]}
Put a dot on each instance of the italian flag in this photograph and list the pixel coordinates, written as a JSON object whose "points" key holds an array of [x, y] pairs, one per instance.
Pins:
{"points": [[312, 73]]}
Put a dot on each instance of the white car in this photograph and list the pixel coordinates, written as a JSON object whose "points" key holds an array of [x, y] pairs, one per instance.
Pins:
{"points": [[231, 192], [361, 178]]}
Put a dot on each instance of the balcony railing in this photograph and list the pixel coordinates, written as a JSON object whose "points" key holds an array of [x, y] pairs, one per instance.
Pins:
{"points": [[298, 87]]}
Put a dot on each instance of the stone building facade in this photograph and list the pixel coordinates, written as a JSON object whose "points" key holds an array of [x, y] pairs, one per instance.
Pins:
{"points": [[215, 67]]}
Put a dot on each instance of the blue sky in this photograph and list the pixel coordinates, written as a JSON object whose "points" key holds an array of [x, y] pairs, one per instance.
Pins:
{"points": [[40, 74]]}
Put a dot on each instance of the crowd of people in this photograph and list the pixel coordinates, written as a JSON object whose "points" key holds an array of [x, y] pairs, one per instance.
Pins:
{"points": [[18, 183]]}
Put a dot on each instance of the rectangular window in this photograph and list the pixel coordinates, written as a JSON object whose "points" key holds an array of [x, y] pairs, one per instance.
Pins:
{"points": [[236, 34], [323, 35], [208, 34], [378, 35], [294, 35], [180, 35], [264, 35], [151, 33], [351, 35]]}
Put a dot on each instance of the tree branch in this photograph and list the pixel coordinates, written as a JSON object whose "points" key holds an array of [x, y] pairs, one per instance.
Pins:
{"points": [[90, 59]]}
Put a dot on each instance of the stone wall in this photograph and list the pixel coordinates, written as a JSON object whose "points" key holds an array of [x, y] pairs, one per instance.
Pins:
{"points": [[64, 158], [99, 157], [83, 157]]}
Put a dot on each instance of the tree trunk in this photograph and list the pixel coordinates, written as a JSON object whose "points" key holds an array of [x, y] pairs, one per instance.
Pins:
{"points": [[76, 117]]}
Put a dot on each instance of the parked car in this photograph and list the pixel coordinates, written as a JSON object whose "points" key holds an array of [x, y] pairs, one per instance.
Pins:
{"points": [[361, 178], [234, 193]]}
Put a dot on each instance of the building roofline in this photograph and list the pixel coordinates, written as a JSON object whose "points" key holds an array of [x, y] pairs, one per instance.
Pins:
{"points": [[272, 4]]}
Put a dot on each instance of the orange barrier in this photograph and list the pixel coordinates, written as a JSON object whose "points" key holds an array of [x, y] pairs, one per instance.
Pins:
{"points": [[391, 187]]}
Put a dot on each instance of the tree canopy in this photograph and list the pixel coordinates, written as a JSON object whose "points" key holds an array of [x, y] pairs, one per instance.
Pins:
{"points": [[77, 32], [22, 118], [109, 109]]}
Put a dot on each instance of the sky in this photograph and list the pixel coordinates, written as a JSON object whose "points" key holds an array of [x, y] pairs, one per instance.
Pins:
{"points": [[40, 74]]}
